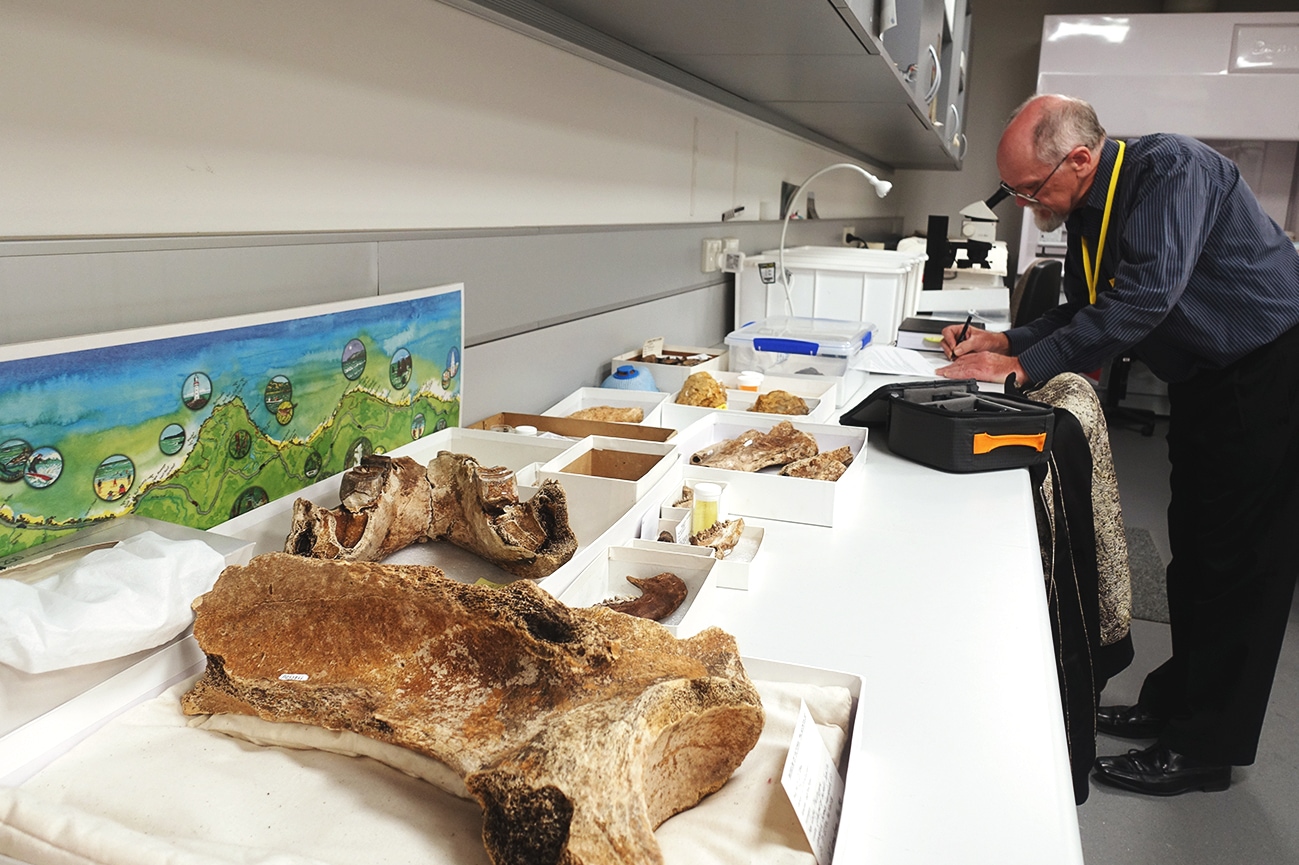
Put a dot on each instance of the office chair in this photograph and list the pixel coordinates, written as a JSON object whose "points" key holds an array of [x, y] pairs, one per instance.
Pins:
{"points": [[1116, 388], [1036, 290]]}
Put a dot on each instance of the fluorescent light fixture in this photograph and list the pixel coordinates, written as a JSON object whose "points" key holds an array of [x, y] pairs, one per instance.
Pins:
{"points": [[1110, 29]]}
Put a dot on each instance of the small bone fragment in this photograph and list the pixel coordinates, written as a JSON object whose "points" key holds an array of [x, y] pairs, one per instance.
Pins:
{"points": [[660, 596], [721, 536]]}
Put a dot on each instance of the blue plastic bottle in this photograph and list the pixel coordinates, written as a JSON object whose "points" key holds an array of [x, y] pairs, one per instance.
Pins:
{"points": [[628, 377]]}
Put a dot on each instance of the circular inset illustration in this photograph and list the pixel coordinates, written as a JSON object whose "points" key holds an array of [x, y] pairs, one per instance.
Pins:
{"points": [[13, 459], [311, 467], [441, 424], [353, 359], [253, 497], [417, 426], [114, 477], [359, 450], [171, 439], [284, 413], [453, 368], [196, 391], [240, 444], [278, 390], [400, 368], [43, 467]]}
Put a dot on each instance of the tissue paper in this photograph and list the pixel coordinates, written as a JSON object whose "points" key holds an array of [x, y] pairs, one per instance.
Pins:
{"points": [[111, 603]]}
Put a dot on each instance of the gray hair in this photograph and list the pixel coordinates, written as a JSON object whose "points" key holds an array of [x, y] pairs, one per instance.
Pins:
{"points": [[1065, 123]]}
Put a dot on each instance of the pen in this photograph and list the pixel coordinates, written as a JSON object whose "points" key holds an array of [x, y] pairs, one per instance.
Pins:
{"points": [[961, 338]]}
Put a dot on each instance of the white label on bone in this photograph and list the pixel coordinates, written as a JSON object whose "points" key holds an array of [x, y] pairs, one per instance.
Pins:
{"points": [[294, 677]]}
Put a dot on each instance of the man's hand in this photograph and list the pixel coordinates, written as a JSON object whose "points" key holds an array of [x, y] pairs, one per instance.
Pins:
{"points": [[984, 366], [976, 339]]}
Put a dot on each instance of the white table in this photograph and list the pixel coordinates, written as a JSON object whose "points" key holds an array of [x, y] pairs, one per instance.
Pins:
{"points": [[930, 588]]}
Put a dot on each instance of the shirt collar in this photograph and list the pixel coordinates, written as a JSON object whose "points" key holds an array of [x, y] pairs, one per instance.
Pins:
{"points": [[1101, 181]]}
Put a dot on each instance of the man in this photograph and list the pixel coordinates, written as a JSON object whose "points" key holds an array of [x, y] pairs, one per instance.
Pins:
{"points": [[1170, 256]]}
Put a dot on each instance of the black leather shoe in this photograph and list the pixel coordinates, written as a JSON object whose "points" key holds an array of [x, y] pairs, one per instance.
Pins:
{"points": [[1161, 772], [1129, 722]]}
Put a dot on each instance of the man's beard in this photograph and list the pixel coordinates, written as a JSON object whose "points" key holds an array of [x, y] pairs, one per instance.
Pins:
{"points": [[1047, 220]]}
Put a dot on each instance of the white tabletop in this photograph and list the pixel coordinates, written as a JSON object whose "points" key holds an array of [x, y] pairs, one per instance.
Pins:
{"points": [[929, 586]]}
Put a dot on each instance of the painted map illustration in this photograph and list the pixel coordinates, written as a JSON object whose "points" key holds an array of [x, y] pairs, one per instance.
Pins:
{"points": [[201, 426]]}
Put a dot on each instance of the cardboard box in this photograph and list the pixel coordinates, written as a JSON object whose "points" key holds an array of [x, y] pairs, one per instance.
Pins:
{"points": [[573, 429], [606, 578], [820, 394], [736, 571], [767, 494], [668, 377], [651, 402], [611, 474]]}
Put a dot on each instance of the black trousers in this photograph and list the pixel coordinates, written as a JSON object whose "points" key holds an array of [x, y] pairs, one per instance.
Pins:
{"points": [[1233, 525]]}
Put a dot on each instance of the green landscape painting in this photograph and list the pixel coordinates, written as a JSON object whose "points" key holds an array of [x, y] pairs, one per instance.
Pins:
{"points": [[198, 426]]}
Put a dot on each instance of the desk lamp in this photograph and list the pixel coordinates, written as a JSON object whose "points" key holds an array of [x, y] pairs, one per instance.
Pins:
{"points": [[882, 188]]}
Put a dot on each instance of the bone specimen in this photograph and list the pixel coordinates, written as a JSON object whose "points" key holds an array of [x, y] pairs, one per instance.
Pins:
{"points": [[660, 596], [780, 402], [577, 730], [702, 389], [752, 450], [828, 466], [615, 414], [387, 504], [721, 536], [391, 502]]}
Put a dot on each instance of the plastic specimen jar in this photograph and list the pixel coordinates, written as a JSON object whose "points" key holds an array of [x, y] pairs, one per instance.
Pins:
{"points": [[750, 380], [706, 508]]}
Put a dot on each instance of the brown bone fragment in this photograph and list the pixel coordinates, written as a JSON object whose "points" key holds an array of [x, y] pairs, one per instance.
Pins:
{"points": [[578, 730], [660, 596]]}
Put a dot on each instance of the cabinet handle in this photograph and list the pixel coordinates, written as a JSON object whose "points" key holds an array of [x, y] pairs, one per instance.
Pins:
{"points": [[938, 75]]}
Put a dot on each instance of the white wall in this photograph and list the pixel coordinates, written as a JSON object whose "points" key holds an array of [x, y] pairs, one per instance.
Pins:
{"points": [[164, 117]]}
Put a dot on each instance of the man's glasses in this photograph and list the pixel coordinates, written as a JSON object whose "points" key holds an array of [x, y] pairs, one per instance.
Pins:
{"points": [[1031, 197]]}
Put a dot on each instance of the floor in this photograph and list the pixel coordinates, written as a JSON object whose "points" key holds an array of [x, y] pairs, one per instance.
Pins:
{"points": [[1257, 820]]}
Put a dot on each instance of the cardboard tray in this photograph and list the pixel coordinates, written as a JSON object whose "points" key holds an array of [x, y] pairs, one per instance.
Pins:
{"points": [[651, 401], [668, 377], [605, 578], [736, 571], [574, 429], [766, 494]]}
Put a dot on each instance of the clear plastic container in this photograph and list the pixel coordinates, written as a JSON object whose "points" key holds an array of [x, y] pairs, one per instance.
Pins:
{"points": [[750, 380], [706, 510], [786, 345]]}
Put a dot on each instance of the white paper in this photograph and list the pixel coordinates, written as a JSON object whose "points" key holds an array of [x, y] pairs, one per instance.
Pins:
{"points": [[892, 360], [111, 603], [813, 785]]}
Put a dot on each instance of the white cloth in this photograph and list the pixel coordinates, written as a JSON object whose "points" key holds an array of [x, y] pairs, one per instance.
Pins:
{"points": [[113, 602], [149, 789]]}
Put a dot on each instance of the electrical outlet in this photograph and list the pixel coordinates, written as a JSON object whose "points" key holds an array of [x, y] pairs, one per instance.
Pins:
{"points": [[847, 230], [712, 252]]}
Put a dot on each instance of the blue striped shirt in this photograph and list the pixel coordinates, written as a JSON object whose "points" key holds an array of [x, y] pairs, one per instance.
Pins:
{"points": [[1201, 275]]}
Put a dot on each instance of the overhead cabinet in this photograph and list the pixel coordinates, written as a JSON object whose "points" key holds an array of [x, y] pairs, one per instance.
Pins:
{"points": [[817, 68]]}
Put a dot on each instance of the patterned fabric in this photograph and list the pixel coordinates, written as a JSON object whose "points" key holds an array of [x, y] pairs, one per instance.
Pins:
{"points": [[1114, 578]]}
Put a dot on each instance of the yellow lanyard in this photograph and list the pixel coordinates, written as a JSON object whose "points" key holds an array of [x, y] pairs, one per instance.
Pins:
{"points": [[1094, 275]]}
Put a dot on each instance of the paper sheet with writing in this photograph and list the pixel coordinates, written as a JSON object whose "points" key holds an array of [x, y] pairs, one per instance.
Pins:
{"points": [[814, 786], [891, 360]]}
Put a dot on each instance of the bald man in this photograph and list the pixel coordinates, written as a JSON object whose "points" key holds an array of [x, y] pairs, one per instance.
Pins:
{"points": [[1171, 257]]}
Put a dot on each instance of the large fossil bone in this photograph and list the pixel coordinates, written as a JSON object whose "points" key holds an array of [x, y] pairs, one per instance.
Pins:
{"points": [[578, 730], [391, 502], [752, 450]]}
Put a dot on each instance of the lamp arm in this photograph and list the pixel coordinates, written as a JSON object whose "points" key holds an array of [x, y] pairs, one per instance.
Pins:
{"points": [[882, 188]]}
